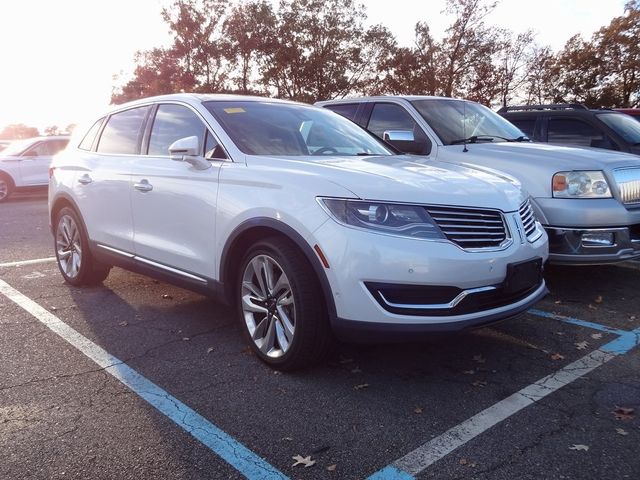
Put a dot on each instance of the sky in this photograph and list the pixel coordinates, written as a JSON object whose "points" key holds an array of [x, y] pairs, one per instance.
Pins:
{"points": [[59, 58]]}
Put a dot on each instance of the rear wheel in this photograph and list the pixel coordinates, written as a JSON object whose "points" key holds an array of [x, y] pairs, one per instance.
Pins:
{"points": [[77, 265], [281, 308], [6, 187]]}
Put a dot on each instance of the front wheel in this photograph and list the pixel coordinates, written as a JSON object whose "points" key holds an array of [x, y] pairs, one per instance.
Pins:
{"points": [[77, 265], [6, 187], [281, 307]]}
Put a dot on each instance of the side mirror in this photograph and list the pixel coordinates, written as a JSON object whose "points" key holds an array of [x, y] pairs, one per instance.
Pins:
{"points": [[398, 136], [405, 141], [187, 149]]}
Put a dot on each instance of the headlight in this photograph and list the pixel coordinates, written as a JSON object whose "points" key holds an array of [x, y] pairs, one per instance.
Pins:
{"points": [[410, 221], [588, 184]]}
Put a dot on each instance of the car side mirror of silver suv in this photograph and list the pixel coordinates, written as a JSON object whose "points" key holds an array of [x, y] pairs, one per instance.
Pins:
{"points": [[187, 149]]}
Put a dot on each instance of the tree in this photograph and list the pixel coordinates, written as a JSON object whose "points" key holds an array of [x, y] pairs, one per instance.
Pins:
{"points": [[17, 131], [52, 130], [250, 29], [514, 62], [320, 50]]}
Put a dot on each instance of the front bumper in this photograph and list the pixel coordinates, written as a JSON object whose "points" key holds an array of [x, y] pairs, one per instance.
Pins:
{"points": [[571, 246], [360, 259]]}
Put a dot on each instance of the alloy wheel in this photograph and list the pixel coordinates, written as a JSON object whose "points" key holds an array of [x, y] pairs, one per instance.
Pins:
{"points": [[68, 246], [268, 306]]}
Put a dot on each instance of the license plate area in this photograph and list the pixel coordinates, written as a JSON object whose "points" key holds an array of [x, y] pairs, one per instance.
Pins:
{"points": [[522, 276]]}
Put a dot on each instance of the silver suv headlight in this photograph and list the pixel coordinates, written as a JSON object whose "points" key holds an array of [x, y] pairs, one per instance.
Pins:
{"points": [[580, 184], [411, 221]]}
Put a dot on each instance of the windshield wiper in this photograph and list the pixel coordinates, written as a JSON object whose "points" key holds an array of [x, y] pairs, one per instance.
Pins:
{"points": [[521, 138], [474, 139]]}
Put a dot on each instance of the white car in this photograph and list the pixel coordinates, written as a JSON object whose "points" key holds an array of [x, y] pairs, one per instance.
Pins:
{"points": [[25, 163], [299, 218]]}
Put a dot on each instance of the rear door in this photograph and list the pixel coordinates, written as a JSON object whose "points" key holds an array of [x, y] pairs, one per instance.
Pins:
{"points": [[103, 185], [173, 204]]}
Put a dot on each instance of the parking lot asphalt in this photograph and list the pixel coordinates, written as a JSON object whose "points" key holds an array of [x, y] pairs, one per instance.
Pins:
{"points": [[448, 408]]}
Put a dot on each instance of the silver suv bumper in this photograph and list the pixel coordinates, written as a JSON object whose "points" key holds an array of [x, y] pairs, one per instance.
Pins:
{"points": [[585, 246]]}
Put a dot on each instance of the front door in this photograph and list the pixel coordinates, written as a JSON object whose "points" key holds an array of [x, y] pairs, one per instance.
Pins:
{"points": [[173, 204]]}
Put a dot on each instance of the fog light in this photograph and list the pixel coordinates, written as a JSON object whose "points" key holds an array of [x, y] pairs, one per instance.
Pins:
{"points": [[597, 239]]}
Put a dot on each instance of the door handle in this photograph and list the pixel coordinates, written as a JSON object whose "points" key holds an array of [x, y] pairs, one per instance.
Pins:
{"points": [[85, 179], [143, 186]]}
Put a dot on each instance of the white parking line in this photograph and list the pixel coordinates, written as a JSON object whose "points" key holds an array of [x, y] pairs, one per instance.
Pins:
{"points": [[230, 450], [28, 262]]}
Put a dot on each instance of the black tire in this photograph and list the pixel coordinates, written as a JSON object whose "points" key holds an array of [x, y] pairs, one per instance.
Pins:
{"points": [[6, 187], [312, 337], [71, 245]]}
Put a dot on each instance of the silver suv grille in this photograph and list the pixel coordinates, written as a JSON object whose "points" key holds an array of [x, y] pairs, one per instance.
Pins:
{"points": [[529, 221], [470, 227], [628, 180]]}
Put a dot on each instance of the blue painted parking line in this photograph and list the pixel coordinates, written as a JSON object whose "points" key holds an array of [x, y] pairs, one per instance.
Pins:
{"points": [[224, 445], [627, 339]]}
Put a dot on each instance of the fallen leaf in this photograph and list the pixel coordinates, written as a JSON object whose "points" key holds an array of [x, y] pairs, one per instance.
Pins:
{"points": [[418, 409], [592, 307], [579, 447], [632, 317], [186, 339], [479, 383], [557, 356], [479, 359], [53, 309], [288, 439], [332, 468], [344, 360], [581, 345], [596, 336], [598, 299], [558, 302], [210, 349], [469, 372], [560, 333], [167, 297], [623, 413], [356, 370], [123, 324], [306, 461], [361, 386], [463, 461], [621, 431]]}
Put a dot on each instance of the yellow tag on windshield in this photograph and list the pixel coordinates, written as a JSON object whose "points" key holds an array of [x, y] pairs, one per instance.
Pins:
{"points": [[234, 110]]}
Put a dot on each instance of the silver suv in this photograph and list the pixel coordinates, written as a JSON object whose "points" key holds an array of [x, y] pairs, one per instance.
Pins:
{"points": [[587, 199]]}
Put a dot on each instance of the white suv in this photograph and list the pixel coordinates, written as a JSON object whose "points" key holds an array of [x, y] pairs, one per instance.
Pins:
{"points": [[299, 218], [25, 163]]}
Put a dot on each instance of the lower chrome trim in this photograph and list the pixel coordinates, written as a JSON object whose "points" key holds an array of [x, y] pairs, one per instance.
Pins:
{"points": [[153, 264], [438, 306]]}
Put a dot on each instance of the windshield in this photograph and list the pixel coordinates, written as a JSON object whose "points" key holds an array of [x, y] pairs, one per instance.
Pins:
{"points": [[269, 128], [456, 120], [18, 146], [623, 125]]}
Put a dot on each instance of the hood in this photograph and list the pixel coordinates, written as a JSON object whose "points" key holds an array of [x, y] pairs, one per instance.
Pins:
{"points": [[409, 179], [534, 164]]}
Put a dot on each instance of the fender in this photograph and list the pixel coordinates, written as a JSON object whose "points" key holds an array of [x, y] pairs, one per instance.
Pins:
{"points": [[292, 235]]}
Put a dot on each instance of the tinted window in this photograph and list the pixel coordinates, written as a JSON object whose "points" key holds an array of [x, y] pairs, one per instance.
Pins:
{"points": [[56, 146], [572, 131], [347, 110], [123, 132], [212, 149], [39, 149], [87, 141], [173, 122], [524, 124], [623, 125], [387, 116]]}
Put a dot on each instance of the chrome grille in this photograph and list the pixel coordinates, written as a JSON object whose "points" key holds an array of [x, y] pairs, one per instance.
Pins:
{"points": [[470, 227], [529, 221], [628, 180]]}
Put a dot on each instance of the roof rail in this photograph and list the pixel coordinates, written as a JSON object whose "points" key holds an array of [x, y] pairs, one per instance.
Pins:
{"points": [[552, 106]]}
